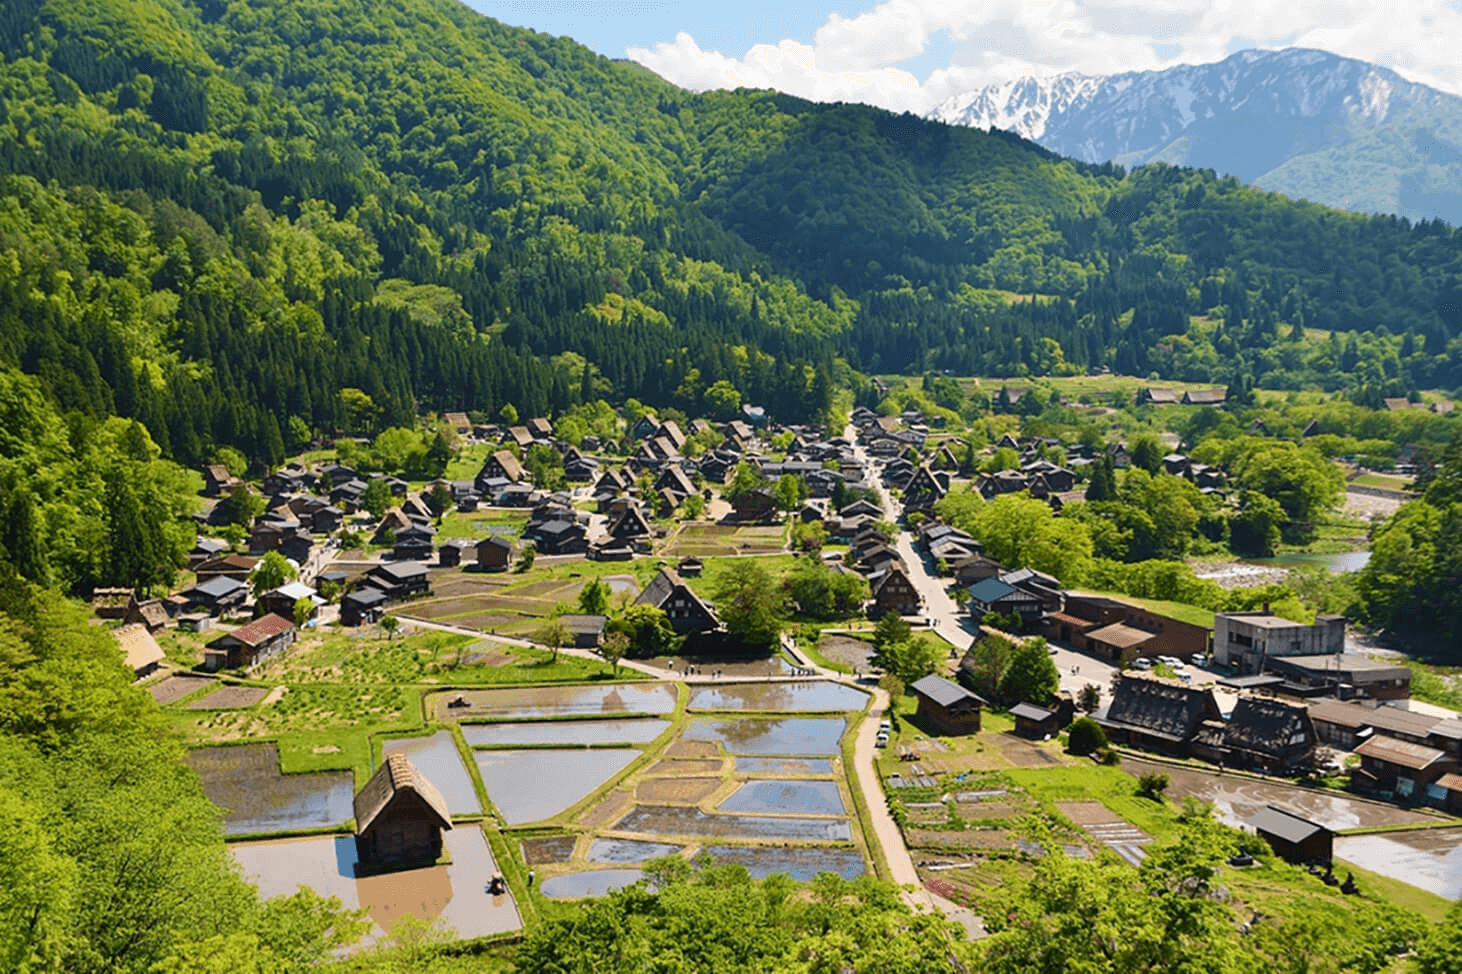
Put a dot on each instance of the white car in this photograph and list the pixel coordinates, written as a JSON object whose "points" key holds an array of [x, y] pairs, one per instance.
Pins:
{"points": [[1142, 664]]}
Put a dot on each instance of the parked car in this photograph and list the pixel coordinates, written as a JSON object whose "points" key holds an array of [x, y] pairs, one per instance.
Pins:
{"points": [[1198, 659], [1142, 664]]}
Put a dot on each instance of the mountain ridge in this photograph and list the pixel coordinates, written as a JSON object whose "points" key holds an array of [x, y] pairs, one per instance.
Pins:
{"points": [[1303, 122]]}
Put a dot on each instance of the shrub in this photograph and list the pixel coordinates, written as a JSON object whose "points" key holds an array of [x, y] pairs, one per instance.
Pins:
{"points": [[1152, 785], [1086, 736], [1109, 756]]}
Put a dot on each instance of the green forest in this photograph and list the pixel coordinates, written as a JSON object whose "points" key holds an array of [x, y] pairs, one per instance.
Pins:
{"points": [[216, 217]]}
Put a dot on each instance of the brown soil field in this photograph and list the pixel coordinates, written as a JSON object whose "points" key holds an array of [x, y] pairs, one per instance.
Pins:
{"points": [[692, 749], [229, 698], [685, 766], [610, 809], [689, 790], [175, 688], [548, 850], [846, 650]]}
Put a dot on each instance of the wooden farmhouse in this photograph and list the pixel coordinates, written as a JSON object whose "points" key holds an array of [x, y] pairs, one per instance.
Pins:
{"points": [[249, 645], [399, 817], [686, 611], [947, 706]]}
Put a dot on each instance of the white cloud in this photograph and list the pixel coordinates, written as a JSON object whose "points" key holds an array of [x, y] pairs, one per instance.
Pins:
{"points": [[857, 58]]}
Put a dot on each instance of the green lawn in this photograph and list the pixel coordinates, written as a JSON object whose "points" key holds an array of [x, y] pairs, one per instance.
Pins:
{"points": [[1181, 611]]}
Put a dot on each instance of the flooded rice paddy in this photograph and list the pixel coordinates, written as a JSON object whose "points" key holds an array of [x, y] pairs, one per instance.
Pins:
{"points": [[437, 758], [593, 882], [785, 796], [520, 702], [529, 786], [782, 736], [801, 864], [1236, 800], [453, 895], [564, 732], [629, 850], [798, 766], [683, 820], [1429, 860], [246, 783], [810, 695]]}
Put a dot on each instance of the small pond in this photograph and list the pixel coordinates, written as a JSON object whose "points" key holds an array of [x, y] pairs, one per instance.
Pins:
{"points": [[683, 820], [790, 735], [593, 882], [795, 797], [813, 695], [614, 698], [564, 732], [802, 865], [629, 850], [529, 786], [437, 758], [783, 766]]}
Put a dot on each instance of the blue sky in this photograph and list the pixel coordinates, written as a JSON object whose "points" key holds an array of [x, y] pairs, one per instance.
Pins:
{"points": [[911, 54]]}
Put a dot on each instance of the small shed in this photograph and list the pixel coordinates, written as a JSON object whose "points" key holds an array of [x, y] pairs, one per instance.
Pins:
{"points": [[399, 817], [947, 706], [586, 631], [1034, 721], [1293, 839]]}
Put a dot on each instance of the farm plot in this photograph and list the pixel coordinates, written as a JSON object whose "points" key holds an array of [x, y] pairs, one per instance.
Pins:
{"points": [[246, 783]]}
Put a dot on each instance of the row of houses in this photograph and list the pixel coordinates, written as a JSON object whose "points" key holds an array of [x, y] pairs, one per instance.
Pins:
{"points": [[1409, 757]]}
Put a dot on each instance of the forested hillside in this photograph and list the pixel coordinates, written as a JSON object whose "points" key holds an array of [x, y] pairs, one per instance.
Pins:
{"points": [[216, 217]]}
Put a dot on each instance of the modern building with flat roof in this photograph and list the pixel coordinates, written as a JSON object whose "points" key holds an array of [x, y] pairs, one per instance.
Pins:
{"points": [[1246, 640]]}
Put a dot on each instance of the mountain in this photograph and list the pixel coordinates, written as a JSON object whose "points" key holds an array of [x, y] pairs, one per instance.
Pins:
{"points": [[261, 222], [1305, 123]]}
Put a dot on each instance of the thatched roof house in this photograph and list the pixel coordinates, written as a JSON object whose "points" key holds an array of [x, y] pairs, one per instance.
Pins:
{"points": [[1263, 733], [399, 816], [1160, 715]]}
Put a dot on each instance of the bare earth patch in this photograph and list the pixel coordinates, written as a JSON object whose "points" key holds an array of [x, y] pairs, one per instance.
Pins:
{"points": [[548, 850], [688, 790], [175, 688], [611, 808], [692, 749], [229, 698], [685, 767]]}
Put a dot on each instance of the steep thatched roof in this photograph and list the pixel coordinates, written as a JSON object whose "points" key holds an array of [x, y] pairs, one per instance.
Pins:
{"points": [[397, 776], [1267, 726], [1163, 709]]}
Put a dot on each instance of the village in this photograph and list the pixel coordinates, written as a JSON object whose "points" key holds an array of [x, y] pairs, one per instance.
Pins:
{"points": [[489, 695]]}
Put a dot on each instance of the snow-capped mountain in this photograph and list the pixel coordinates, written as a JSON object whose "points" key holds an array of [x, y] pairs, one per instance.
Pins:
{"points": [[1306, 123]]}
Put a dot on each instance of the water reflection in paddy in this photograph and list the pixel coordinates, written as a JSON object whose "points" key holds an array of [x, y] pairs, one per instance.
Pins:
{"points": [[791, 735], [798, 797], [1430, 860], [783, 766], [529, 786], [801, 864], [629, 850], [455, 893], [436, 757], [615, 698], [819, 695], [565, 732], [594, 882], [246, 782], [682, 820]]}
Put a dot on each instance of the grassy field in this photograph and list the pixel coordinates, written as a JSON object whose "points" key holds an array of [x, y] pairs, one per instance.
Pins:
{"points": [[1385, 481], [1183, 612]]}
